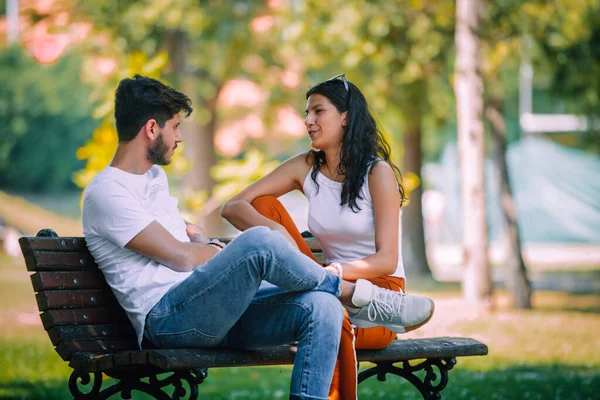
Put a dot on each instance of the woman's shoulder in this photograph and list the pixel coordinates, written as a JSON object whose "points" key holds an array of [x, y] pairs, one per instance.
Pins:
{"points": [[304, 158], [381, 171], [300, 164], [380, 167]]}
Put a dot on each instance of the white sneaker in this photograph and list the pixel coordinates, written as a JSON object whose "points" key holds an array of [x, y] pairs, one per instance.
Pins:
{"points": [[395, 311]]}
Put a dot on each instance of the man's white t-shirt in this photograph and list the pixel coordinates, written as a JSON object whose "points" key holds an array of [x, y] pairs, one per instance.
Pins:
{"points": [[117, 206]]}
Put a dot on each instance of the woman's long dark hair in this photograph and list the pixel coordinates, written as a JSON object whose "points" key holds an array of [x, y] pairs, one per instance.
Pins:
{"points": [[362, 141]]}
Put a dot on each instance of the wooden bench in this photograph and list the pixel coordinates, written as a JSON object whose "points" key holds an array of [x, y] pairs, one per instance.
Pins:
{"points": [[91, 331]]}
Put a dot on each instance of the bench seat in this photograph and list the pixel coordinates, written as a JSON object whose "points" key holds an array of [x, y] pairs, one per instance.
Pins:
{"points": [[185, 359], [91, 332]]}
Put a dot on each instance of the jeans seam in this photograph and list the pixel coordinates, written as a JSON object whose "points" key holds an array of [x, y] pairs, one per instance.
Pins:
{"points": [[174, 308], [306, 371]]}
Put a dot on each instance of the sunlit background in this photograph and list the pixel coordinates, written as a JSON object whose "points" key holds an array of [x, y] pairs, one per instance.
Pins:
{"points": [[247, 66]]}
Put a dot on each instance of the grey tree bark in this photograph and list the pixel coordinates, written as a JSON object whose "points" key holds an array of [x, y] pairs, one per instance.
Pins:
{"points": [[413, 235], [476, 282], [198, 139], [515, 272]]}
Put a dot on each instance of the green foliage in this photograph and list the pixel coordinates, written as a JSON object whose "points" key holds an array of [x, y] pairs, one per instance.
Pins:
{"points": [[569, 52], [235, 175], [398, 53], [45, 115]]}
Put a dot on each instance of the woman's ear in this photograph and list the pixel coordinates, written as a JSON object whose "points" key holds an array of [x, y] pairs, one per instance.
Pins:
{"points": [[345, 118]]}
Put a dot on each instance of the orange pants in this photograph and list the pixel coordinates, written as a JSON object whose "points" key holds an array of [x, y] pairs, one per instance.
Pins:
{"points": [[344, 383]]}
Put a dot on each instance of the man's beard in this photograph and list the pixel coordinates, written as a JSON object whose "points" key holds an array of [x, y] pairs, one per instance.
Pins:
{"points": [[157, 152]]}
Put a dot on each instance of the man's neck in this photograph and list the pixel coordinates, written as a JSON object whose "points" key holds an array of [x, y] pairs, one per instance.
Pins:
{"points": [[130, 159]]}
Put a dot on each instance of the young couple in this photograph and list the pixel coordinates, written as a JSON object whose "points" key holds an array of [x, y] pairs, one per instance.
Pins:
{"points": [[181, 289]]}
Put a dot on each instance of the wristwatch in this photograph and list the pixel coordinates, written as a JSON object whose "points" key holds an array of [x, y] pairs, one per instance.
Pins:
{"points": [[215, 243]]}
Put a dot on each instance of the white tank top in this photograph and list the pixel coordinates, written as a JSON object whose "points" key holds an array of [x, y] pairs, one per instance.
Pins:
{"points": [[343, 234]]}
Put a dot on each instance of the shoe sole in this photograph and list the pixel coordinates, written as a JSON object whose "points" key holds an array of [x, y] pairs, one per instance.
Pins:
{"points": [[398, 328]]}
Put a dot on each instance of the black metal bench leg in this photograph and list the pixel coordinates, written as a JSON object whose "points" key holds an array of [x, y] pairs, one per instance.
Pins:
{"points": [[129, 382], [429, 390]]}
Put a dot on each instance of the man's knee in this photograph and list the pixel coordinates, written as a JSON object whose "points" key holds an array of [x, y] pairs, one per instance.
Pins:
{"points": [[253, 236]]}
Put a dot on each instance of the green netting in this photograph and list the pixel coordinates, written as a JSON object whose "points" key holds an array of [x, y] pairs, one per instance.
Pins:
{"points": [[556, 189]]}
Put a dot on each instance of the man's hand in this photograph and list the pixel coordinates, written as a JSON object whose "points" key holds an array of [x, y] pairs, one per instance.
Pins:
{"points": [[196, 234]]}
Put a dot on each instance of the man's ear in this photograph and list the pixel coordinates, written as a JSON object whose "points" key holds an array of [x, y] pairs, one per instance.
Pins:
{"points": [[151, 129]]}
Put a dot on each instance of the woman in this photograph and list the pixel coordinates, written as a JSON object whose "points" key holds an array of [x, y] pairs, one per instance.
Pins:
{"points": [[354, 208]]}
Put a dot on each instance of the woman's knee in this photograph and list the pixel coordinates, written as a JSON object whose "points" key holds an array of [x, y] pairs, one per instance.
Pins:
{"points": [[263, 203]]}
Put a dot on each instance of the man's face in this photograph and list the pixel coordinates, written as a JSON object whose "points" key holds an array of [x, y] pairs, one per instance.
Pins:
{"points": [[161, 151]]}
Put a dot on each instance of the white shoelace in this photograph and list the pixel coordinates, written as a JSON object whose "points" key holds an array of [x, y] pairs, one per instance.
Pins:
{"points": [[385, 303]]}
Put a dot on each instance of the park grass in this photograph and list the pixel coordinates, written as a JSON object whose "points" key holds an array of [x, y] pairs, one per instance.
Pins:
{"points": [[551, 352], [29, 218]]}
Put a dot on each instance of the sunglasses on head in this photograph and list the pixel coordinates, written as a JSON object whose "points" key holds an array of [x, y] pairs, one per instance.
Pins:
{"points": [[343, 76]]}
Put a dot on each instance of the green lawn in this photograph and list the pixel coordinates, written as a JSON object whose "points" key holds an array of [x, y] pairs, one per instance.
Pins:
{"points": [[552, 352]]}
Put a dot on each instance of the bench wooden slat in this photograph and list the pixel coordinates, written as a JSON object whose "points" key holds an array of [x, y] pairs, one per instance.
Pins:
{"points": [[67, 349], [59, 299], [86, 332], [59, 280], [398, 350], [409, 349], [319, 256], [185, 359], [29, 244], [83, 316], [59, 261], [90, 362], [209, 358]]}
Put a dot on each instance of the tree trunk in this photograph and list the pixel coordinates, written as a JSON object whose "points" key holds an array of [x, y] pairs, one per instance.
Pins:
{"points": [[515, 273], [199, 147], [477, 281], [413, 236]]}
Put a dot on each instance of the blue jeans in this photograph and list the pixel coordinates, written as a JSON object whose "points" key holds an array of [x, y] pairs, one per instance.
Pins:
{"points": [[218, 305]]}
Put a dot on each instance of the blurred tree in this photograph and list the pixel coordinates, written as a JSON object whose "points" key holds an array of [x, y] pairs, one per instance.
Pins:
{"points": [[397, 53], [40, 134], [207, 44], [565, 38], [549, 34], [501, 47], [477, 281]]}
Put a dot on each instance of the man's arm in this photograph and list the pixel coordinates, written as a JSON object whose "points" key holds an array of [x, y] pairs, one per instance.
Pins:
{"points": [[155, 242]]}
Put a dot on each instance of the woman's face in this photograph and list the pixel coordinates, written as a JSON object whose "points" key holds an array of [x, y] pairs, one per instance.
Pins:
{"points": [[324, 123]]}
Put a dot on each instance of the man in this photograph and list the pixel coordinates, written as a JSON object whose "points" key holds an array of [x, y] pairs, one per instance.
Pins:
{"points": [[180, 289]]}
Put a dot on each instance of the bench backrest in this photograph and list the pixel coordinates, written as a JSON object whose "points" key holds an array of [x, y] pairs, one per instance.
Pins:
{"points": [[78, 309]]}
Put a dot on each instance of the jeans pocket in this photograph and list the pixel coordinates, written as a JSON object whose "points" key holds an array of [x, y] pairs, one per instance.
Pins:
{"points": [[188, 338]]}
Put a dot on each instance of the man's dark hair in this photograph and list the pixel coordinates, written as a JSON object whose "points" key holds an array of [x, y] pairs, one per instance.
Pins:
{"points": [[139, 99]]}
